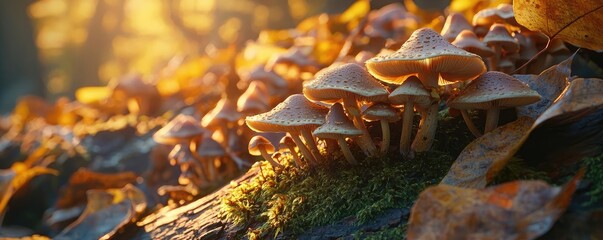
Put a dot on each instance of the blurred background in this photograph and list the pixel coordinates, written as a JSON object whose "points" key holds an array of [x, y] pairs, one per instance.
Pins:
{"points": [[50, 48]]}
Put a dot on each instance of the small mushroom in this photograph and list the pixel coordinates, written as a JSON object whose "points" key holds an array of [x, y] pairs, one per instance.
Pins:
{"points": [[455, 23], [222, 118], [410, 94], [385, 114], [212, 155], [138, 95], [254, 100], [494, 91], [276, 85], [287, 143], [338, 126], [259, 145], [468, 41], [500, 40], [350, 84]]}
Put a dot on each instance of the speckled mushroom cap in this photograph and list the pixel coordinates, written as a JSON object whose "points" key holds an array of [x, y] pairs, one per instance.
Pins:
{"points": [[468, 41], [381, 111], [455, 23], [426, 52], [180, 128], [337, 125], [498, 35], [292, 115], [225, 110], [411, 89], [258, 142], [349, 80], [494, 90], [210, 148]]}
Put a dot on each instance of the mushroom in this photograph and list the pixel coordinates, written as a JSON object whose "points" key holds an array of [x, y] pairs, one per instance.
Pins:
{"points": [[296, 115], [432, 59], [468, 41], [455, 23], [385, 114], [527, 49], [254, 100], [259, 145], [138, 95], [276, 85], [181, 132], [338, 126], [500, 39], [494, 91], [212, 155], [287, 143], [410, 94], [350, 84], [222, 118], [483, 19]]}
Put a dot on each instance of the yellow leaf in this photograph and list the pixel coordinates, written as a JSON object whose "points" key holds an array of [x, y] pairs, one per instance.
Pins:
{"points": [[576, 22], [358, 10], [91, 95]]}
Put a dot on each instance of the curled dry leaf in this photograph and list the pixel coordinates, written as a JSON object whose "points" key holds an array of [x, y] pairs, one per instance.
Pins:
{"points": [[112, 208], [576, 22], [14, 178], [514, 210], [549, 84], [581, 96], [483, 158]]}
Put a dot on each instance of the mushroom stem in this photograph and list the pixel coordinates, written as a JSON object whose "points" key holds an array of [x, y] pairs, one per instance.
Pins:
{"points": [[365, 142], [312, 145], [407, 121], [345, 149], [303, 149], [268, 158], [427, 129], [298, 162], [496, 58], [211, 169], [491, 119], [189, 158], [386, 137], [224, 130], [476, 132]]}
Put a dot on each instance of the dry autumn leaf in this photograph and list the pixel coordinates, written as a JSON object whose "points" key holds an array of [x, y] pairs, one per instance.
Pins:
{"points": [[483, 158], [515, 210], [582, 95], [14, 178], [549, 84], [576, 22]]}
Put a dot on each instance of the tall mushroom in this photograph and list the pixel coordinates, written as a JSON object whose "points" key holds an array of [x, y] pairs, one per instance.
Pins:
{"points": [[259, 145], [296, 115], [350, 84], [287, 143], [212, 155], [338, 126], [410, 94], [433, 60], [385, 114], [500, 40], [493, 91]]}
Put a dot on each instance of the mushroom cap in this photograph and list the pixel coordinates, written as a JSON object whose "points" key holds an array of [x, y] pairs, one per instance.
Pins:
{"points": [[254, 99], [225, 110], [487, 17], [294, 56], [468, 41], [411, 89], [494, 90], [455, 23], [498, 35], [294, 114], [286, 142], [210, 148], [269, 78], [182, 127], [527, 46], [426, 52], [337, 125], [349, 80], [381, 111], [258, 142]]}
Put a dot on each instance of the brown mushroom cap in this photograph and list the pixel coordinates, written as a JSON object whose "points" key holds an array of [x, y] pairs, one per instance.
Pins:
{"points": [[337, 125], [292, 115], [210, 148], [468, 41], [426, 52], [498, 35], [455, 23], [411, 89], [294, 56], [494, 90], [182, 127], [487, 17], [349, 80], [381, 111], [269, 78], [286, 142], [254, 99], [225, 110], [258, 142]]}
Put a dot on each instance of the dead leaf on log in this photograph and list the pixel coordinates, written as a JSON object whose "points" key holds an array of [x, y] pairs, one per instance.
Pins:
{"points": [[106, 212], [483, 158], [576, 22], [549, 84], [582, 96], [515, 210]]}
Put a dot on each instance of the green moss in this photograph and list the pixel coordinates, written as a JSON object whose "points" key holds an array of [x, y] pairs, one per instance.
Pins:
{"points": [[294, 200], [383, 234], [594, 166]]}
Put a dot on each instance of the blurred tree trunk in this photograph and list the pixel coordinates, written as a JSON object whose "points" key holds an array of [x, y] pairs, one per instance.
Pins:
{"points": [[20, 69]]}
